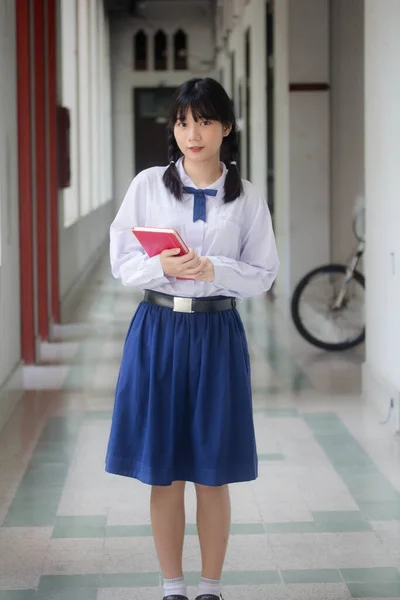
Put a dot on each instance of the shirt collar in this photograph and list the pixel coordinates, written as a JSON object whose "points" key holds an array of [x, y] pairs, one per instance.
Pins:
{"points": [[217, 185]]}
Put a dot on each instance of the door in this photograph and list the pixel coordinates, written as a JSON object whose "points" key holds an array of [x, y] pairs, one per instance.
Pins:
{"points": [[151, 107]]}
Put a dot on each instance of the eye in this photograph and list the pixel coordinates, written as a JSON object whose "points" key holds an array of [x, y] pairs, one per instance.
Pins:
{"points": [[181, 124], [205, 122]]}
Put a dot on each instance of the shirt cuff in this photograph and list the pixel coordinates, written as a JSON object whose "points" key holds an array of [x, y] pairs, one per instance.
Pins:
{"points": [[154, 269], [218, 270]]}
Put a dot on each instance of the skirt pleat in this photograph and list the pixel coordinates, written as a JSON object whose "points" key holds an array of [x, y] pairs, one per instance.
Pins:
{"points": [[183, 405]]}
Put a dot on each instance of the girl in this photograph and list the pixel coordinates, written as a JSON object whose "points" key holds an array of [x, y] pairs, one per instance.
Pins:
{"points": [[183, 407]]}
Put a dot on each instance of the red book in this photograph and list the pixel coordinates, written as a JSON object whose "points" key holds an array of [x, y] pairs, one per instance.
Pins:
{"points": [[155, 239]]}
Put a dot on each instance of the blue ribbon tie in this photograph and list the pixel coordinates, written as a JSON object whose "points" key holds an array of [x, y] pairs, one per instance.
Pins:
{"points": [[199, 209]]}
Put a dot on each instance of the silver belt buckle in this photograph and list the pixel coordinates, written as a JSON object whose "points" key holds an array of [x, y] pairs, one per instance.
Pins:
{"points": [[184, 305]]}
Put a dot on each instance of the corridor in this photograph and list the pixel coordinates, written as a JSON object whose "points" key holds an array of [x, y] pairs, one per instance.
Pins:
{"points": [[321, 522]]}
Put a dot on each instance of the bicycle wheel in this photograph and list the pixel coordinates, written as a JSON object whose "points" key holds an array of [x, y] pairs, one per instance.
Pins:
{"points": [[314, 314]]}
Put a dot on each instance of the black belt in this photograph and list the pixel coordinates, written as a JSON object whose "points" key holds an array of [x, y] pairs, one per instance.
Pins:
{"points": [[189, 305]]}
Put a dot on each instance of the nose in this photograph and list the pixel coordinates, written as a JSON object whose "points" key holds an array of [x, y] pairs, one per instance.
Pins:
{"points": [[194, 132]]}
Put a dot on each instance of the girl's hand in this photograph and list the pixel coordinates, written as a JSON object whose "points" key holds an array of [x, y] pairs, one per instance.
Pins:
{"points": [[207, 272], [187, 266]]}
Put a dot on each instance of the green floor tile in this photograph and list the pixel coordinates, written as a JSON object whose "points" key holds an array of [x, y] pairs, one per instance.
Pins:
{"points": [[380, 511], [311, 576], [290, 376], [98, 415], [373, 574], [291, 527], [250, 577], [38, 496], [324, 522], [67, 594], [373, 493], [17, 594], [247, 528], [191, 529], [60, 582], [340, 521], [270, 457], [129, 580], [129, 531], [390, 589], [80, 527]]}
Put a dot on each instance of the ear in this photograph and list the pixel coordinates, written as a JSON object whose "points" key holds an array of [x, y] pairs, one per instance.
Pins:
{"points": [[227, 129]]}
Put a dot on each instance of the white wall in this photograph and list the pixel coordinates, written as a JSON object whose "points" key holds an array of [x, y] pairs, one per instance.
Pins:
{"points": [[85, 88], [347, 120], [282, 144], [9, 239], [196, 19], [301, 136], [309, 139], [382, 186], [237, 18]]}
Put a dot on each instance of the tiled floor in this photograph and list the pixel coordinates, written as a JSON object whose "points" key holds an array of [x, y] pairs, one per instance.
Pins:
{"points": [[321, 522]]}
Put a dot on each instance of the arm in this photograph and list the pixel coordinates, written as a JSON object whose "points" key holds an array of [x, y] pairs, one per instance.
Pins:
{"points": [[129, 262], [258, 263]]}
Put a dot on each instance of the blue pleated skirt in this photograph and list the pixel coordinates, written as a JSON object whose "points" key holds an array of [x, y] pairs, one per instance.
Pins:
{"points": [[183, 405]]}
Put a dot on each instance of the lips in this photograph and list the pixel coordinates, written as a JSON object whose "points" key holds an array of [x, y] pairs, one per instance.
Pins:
{"points": [[196, 148]]}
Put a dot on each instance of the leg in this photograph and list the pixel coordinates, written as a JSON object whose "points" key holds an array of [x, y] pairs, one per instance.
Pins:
{"points": [[213, 524], [167, 510]]}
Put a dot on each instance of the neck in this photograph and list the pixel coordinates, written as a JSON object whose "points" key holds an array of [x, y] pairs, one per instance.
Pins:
{"points": [[204, 173]]}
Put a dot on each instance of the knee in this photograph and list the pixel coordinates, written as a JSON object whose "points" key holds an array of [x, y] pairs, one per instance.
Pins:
{"points": [[175, 490], [210, 490]]}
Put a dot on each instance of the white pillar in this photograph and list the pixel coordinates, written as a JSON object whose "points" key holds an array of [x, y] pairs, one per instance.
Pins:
{"points": [[302, 144], [382, 186]]}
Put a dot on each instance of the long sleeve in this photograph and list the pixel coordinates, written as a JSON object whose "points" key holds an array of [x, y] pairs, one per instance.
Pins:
{"points": [[258, 263], [129, 262]]}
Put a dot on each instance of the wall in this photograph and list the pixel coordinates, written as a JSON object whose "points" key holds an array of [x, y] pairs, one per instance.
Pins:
{"points": [[196, 18], [86, 206], [309, 154], [236, 18], [301, 131], [9, 238], [382, 186], [347, 120], [282, 145]]}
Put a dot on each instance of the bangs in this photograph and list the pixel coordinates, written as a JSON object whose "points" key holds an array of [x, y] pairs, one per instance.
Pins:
{"points": [[200, 106]]}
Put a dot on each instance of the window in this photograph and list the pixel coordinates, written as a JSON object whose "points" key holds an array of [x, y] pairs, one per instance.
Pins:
{"points": [[180, 51], [140, 51], [69, 83], [160, 51], [86, 94]]}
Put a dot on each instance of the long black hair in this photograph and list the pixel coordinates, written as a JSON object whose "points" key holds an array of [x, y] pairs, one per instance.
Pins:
{"points": [[207, 99]]}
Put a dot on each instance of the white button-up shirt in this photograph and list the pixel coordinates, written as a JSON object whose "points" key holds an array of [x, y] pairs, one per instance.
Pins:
{"points": [[237, 237]]}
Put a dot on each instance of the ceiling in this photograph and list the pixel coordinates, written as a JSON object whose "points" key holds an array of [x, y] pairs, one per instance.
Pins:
{"points": [[129, 7]]}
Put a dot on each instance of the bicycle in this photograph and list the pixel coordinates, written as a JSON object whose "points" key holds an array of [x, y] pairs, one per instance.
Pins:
{"points": [[328, 303]]}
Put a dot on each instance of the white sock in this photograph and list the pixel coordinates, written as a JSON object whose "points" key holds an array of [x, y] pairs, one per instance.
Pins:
{"points": [[175, 587], [209, 586]]}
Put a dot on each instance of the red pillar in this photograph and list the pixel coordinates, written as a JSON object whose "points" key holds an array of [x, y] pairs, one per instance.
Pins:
{"points": [[41, 166], [52, 165], [25, 182]]}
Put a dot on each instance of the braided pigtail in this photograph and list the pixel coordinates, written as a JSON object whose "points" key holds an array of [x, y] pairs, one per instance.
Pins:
{"points": [[171, 178], [233, 183]]}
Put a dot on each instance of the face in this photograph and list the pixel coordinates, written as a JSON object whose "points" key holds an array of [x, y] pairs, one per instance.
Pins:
{"points": [[200, 140]]}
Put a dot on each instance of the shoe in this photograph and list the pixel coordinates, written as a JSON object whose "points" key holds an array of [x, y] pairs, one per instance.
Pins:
{"points": [[209, 597], [175, 598]]}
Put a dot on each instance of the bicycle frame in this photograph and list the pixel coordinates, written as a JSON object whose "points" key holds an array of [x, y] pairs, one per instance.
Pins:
{"points": [[351, 267]]}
